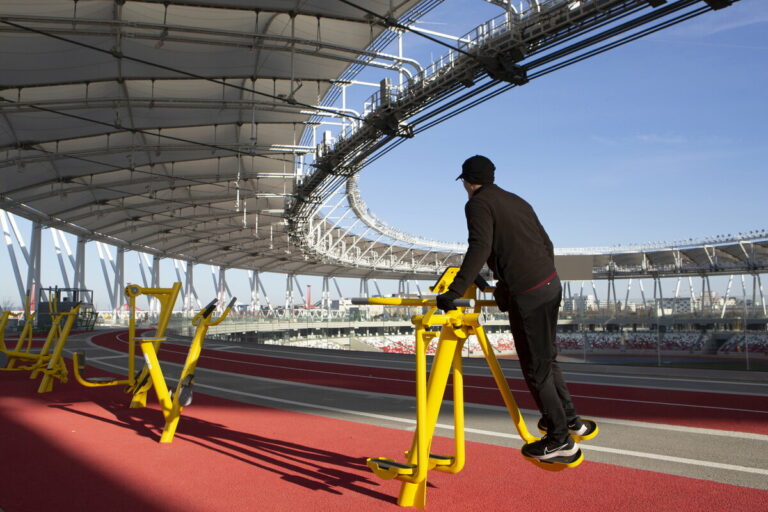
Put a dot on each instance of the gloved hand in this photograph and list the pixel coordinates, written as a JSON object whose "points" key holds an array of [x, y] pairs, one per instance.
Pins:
{"points": [[445, 300], [502, 296]]}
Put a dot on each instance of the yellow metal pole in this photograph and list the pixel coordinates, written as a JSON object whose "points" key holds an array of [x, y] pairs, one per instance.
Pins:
{"points": [[53, 332], [413, 493], [203, 320], [131, 340], [3, 323], [156, 376], [190, 364], [56, 367], [458, 416]]}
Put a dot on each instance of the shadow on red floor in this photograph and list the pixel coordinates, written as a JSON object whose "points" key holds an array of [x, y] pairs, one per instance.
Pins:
{"points": [[79, 449]]}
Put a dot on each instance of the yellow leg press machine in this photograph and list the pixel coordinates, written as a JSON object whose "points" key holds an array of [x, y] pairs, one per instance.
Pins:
{"points": [[151, 375], [455, 327]]}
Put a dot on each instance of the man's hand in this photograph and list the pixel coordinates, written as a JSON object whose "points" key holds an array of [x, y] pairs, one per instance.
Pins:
{"points": [[501, 294], [445, 300]]}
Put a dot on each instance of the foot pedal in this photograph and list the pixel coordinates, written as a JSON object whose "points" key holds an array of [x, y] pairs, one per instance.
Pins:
{"points": [[101, 379], [589, 436], [388, 469], [185, 392], [558, 463], [440, 460], [436, 460], [575, 437]]}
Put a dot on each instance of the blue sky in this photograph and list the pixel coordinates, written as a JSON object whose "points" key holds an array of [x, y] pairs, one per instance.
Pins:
{"points": [[661, 139]]}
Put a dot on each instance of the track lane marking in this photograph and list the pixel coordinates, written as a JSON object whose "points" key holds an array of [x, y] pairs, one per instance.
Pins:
{"points": [[486, 388]]}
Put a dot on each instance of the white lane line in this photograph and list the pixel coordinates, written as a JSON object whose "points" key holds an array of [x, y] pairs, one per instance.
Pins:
{"points": [[90, 358], [638, 424], [482, 366], [616, 451], [500, 409], [392, 379]]}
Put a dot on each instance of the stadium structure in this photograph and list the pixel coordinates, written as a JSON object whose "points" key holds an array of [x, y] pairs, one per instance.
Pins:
{"points": [[229, 135], [220, 133]]}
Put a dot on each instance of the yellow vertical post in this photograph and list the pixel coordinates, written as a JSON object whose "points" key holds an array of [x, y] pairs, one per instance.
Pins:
{"points": [[131, 340], [414, 493], [458, 415]]}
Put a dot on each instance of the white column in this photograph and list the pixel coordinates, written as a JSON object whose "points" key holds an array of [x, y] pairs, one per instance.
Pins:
{"points": [[33, 269]]}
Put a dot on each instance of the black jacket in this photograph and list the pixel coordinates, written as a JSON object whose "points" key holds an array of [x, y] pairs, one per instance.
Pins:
{"points": [[504, 232]]}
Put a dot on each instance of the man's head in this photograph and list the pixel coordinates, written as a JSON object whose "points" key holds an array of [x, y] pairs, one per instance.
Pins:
{"points": [[477, 170]]}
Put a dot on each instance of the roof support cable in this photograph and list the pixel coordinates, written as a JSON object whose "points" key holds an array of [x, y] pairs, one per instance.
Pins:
{"points": [[118, 126], [120, 55], [389, 21]]}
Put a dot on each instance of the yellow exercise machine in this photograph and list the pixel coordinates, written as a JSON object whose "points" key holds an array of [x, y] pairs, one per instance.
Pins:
{"points": [[24, 343], [456, 326], [151, 375], [136, 383], [172, 405], [49, 360]]}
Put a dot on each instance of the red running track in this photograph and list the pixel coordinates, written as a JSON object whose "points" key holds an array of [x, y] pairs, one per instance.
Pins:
{"points": [[741, 413], [81, 450]]}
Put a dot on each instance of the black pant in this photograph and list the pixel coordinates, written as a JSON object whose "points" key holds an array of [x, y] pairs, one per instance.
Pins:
{"points": [[533, 319]]}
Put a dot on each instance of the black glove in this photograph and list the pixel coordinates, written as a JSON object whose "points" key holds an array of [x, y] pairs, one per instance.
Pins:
{"points": [[502, 296], [445, 300]]}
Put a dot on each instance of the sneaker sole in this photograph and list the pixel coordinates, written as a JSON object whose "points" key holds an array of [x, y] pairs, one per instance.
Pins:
{"points": [[558, 463], [558, 454], [579, 438]]}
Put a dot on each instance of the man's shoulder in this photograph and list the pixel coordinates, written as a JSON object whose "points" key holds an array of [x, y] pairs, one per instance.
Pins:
{"points": [[494, 193]]}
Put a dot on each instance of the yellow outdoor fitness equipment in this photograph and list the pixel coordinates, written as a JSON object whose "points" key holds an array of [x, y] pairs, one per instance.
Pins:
{"points": [[456, 326], [55, 367], [172, 405], [151, 375], [49, 360], [136, 383], [24, 343]]}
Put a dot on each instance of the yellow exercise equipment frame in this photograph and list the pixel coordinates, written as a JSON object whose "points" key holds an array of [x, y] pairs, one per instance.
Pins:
{"points": [[49, 361], [151, 375], [456, 326], [25, 337], [172, 405], [138, 384]]}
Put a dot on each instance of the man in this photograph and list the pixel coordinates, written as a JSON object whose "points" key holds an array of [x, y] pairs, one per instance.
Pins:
{"points": [[505, 233]]}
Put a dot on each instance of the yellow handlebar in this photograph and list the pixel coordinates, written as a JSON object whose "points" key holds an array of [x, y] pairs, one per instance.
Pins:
{"points": [[398, 301]]}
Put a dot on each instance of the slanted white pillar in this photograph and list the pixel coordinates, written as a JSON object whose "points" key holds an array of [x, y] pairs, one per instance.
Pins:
{"points": [[33, 269], [254, 306], [12, 254], [119, 285]]}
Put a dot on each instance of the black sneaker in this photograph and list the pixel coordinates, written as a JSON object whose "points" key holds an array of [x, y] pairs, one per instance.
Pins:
{"points": [[580, 429], [549, 450]]}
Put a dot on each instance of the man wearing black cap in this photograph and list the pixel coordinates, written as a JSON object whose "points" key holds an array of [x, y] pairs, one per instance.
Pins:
{"points": [[505, 233]]}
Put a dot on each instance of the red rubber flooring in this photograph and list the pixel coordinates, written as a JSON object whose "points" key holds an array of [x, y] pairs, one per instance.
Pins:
{"points": [[79, 449]]}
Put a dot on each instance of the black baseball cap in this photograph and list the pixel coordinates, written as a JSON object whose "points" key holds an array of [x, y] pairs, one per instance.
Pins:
{"points": [[477, 170]]}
